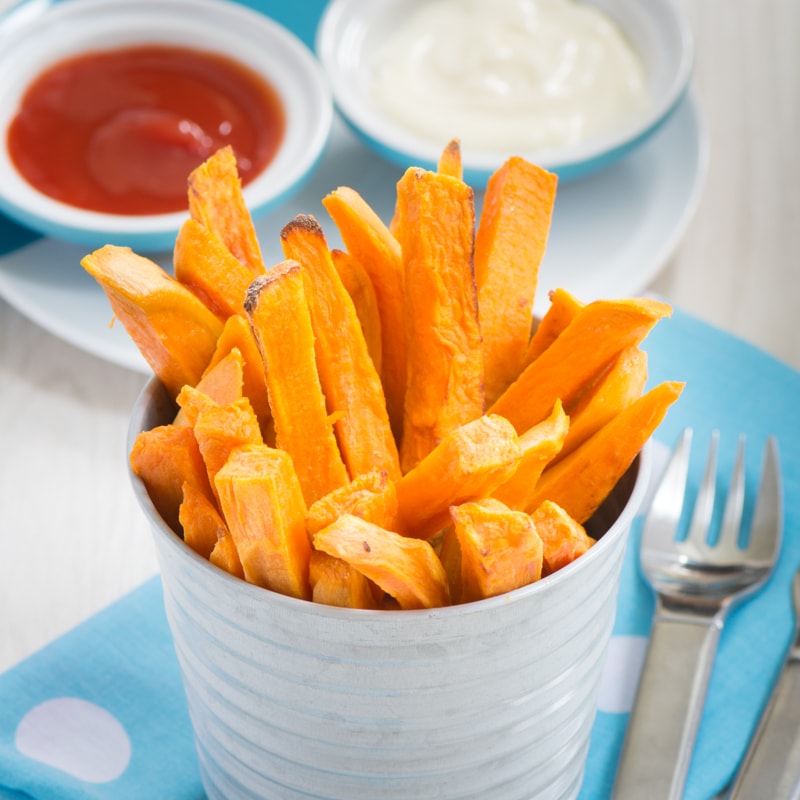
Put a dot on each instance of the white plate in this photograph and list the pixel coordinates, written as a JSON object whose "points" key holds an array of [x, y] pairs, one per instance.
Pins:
{"points": [[612, 232]]}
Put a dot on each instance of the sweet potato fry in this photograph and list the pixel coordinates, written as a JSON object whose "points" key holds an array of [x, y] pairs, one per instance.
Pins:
{"points": [[205, 266], [165, 458], [540, 446], [470, 462], [617, 388], [509, 246], [563, 309], [371, 496], [358, 285], [563, 538], [217, 203], [445, 364], [370, 242], [450, 160], [225, 556], [191, 401], [581, 481], [201, 521], [407, 569], [172, 328], [219, 430], [263, 506], [349, 379], [237, 334], [500, 549], [599, 332], [336, 583], [278, 311], [222, 382], [450, 556]]}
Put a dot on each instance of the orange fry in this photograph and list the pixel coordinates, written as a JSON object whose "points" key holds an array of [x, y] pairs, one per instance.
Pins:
{"points": [[468, 463], [509, 247], [222, 382], [217, 203], [500, 549], [225, 557], [358, 285], [278, 311], [204, 265], [599, 332], [407, 569], [349, 379], [563, 538], [219, 429], [450, 160], [621, 384], [563, 309], [581, 481], [238, 335], [371, 496], [200, 520], [336, 583], [540, 446], [262, 503], [369, 241], [445, 364], [165, 458], [172, 328]]}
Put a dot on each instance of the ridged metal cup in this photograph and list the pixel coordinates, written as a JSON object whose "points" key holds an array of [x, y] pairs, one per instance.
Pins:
{"points": [[492, 700]]}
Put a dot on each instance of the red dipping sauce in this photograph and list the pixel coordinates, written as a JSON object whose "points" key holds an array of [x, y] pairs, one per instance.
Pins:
{"points": [[119, 131]]}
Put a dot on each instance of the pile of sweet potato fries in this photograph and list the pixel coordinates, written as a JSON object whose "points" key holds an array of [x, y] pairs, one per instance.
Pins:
{"points": [[378, 427]]}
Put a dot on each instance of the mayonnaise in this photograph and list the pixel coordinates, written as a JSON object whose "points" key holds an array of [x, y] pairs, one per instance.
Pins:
{"points": [[508, 75]]}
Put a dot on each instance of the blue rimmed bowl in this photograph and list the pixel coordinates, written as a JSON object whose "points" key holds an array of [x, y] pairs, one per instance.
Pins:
{"points": [[353, 33], [37, 35]]}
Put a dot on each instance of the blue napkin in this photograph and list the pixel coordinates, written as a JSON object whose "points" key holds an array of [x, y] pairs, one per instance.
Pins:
{"points": [[100, 713]]}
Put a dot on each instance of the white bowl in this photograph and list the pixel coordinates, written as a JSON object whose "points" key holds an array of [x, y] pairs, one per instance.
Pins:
{"points": [[493, 699], [352, 32], [40, 34]]}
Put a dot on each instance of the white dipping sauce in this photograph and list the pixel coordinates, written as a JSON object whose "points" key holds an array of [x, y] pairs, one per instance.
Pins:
{"points": [[509, 75]]}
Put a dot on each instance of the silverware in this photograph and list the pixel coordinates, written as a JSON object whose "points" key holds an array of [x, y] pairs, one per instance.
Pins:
{"points": [[771, 767], [696, 583]]}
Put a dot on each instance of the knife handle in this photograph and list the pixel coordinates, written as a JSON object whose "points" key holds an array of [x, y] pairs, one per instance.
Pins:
{"points": [[771, 767], [669, 703]]}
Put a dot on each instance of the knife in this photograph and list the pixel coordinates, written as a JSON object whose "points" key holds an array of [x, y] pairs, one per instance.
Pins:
{"points": [[771, 766]]}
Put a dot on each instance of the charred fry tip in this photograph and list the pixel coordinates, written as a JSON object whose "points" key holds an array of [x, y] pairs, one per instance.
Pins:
{"points": [[304, 222], [255, 287], [251, 296]]}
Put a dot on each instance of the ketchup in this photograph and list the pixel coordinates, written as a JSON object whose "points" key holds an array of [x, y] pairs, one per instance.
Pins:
{"points": [[119, 131]]}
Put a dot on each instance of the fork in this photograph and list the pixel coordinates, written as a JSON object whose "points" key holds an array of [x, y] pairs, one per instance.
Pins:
{"points": [[696, 583]]}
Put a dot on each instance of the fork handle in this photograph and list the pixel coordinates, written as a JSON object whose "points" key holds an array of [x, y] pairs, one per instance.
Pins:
{"points": [[669, 703]]}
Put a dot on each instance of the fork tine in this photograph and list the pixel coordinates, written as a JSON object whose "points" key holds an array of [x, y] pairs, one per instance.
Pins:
{"points": [[731, 526], [767, 525], [668, 497], [704, 504]]}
